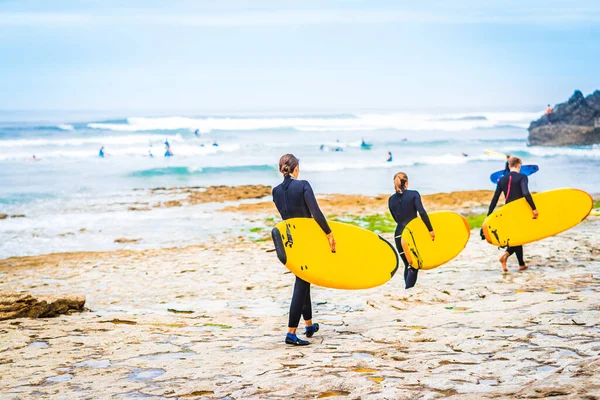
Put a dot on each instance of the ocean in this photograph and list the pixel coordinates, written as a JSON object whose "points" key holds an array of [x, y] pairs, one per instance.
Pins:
{"points": [[73, 200]]}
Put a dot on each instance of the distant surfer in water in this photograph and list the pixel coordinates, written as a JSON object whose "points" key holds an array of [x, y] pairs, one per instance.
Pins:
{"points": [[389, 157], [101, 152], [196, 132], [150, 154], [404, 205], [294, 198], [514, 185]]}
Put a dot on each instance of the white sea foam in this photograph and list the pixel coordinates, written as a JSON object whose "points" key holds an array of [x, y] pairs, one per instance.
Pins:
{"points": [[66, 127], [358, 122]]}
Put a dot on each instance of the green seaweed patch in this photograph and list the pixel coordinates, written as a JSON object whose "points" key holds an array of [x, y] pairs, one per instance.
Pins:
{"points": [[257, 229], [596, 204], [174, 311], [378, 223], [476, 221], [222, 326]]}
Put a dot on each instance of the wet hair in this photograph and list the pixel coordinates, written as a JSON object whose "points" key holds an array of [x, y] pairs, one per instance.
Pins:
{"points": [[400, 181], [287, 164], [514, 162]]}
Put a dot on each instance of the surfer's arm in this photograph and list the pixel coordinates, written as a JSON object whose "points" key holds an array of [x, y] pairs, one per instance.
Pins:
{"points": [[313, 207], [423, 213], [390, 208], [495, 199], [526, 194]]}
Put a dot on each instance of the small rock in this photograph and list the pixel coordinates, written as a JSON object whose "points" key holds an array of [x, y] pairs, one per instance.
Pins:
{"points": [[3, 216], [125, 240], [27, 306], [18, 216]]}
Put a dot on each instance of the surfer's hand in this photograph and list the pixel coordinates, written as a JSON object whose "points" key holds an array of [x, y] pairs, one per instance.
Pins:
{"points": [[432, 234], [535, 214], [331, 242]]}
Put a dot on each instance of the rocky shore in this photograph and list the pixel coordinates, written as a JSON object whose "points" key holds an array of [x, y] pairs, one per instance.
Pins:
{"points": [[575, 122], [208, 321]]}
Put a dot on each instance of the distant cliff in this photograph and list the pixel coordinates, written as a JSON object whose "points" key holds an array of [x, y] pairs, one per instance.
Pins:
{"points": [[575, 122]]}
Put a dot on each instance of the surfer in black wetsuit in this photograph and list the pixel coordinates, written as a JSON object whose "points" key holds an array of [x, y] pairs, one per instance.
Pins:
{"points": [[404, 205], [294, 198], [506, 168], [514, 185]]}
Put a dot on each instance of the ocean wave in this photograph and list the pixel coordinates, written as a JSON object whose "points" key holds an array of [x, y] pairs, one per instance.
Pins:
{"points": [[99, 140], [357, 122], [444, 159], [548, 152], [187, 171], [65, 127]]}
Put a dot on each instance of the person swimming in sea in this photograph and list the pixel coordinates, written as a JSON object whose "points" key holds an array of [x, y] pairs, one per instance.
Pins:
{"points": [[150, 154], [197, 132], [389, 157], [294, 198], [404, 206], [215, 144], [465, 154], [101, 152], [515, 186]]}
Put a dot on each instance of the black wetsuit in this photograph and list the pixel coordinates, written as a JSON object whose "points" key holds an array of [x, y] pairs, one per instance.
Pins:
{"points": [[404, 208], [514, 186], [295, 199]]}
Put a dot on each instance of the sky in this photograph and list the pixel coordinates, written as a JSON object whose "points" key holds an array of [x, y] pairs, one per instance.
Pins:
{"points": [[353, 55]]}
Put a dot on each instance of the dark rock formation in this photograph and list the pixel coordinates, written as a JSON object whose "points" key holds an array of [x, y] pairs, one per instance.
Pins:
{"points": [[576, 122], [27, 306]]}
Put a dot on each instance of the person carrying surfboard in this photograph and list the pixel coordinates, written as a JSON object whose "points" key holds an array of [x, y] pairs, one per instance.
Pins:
{"points": [[514, 185], [294, 198], [404, 205]]}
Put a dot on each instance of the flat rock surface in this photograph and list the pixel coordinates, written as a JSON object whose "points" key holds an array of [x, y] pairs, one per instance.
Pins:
{"points": [[209, 322]]}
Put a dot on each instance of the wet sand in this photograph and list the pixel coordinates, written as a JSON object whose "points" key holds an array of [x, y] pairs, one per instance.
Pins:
{"points": [[208, 321]]}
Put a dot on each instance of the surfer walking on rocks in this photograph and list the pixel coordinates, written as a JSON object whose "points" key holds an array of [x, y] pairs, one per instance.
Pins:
{"points": [[404, 205], [514, 185], [294, 198]]}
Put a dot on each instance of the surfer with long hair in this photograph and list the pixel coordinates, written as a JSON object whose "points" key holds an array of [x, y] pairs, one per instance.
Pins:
{"points": [[294, 198], [404, 205]]}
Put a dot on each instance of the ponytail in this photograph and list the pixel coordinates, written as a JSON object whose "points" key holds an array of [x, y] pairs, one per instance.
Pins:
{"points": [[400, 181], [287, 164]]}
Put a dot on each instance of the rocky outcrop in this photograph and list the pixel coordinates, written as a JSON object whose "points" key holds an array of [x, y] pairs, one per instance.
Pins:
{"points": [[575, 122], [27, 306]]}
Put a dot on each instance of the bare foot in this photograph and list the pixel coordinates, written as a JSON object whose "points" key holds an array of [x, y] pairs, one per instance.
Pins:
{"points": [[522, 267], [503, 260]]}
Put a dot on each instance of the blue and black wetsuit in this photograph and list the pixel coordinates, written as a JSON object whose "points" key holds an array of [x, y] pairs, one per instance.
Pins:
{"points": [[404, 207], [514, 186], [295, 199]]}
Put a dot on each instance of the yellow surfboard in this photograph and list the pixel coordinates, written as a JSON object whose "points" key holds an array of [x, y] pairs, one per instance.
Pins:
{"points": [[452, 232], [362, 259], [494, 153], [560, 209]]}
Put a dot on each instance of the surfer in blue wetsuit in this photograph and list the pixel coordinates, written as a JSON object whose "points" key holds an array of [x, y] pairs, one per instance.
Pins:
{"points": [[294, 198], [389, 157], [101, 152], [215, 144], [404, 205], [514, 185]]}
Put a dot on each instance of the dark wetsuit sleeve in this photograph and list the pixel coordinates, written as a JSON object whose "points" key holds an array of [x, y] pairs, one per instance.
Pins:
{"points": [[495, 199], [390, 208], [315, 211], [525, 191], [423, 213]]}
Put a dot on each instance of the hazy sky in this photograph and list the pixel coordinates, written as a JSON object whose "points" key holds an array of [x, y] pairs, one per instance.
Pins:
{"points": [[309, 55]]}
